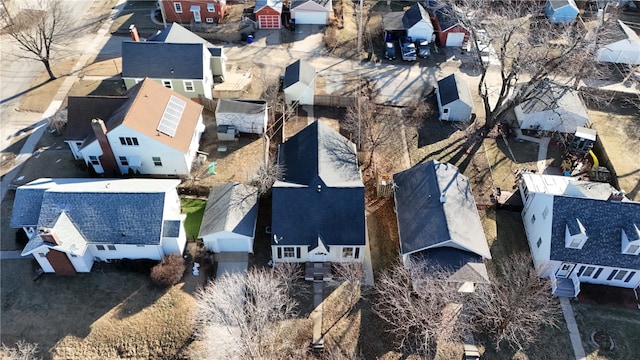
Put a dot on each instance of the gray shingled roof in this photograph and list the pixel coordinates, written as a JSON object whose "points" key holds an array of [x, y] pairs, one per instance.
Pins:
{"points": [[414, 15], [83, 109], [299, 71], [162, 60], [446, 18], [177, 34], [231, 207], [452, 88], [603, 221], [322, 194], [240, 106], [548, 95], [463, 266], [296, 3], [425, 222]]}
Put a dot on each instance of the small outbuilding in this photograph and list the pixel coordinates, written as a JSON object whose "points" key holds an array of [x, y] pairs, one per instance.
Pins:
{"points": [[561, 11], [248, 116], [450, 31], [624, 49], [418, 24], [311, 11], [454, 99], [268, 14], [229, 221], [299, 83]]}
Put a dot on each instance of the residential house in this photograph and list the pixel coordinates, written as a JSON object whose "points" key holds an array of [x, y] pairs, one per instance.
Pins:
{"points": [[229, 221], [299, 83], [454, 99], [622, 48], [418, 24], [268, 14], [154, 131], [561, 11], [449, 30], [72, 223], [311, 11], [177, 34], [551, 107], [581, 231], [318, 204], [248, 116], [439, 224], [193, 11], [182, 67]]}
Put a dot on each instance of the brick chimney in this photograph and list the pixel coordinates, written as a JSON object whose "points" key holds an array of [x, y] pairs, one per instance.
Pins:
{"points": [[47, 235], [108, 160], [134, 33]]}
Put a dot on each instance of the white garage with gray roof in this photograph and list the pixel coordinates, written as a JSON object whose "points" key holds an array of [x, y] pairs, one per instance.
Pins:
{"points": [[454, 99]]}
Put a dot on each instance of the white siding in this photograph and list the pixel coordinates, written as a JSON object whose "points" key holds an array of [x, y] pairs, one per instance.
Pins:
{"points": [[226, 241], [42, 261], [153, 252], [83, 263], [420, 31], [334, 255], [540, 229], [304, 94]]}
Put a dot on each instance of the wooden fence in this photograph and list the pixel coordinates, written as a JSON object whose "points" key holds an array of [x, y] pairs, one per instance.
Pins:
{"points": [[208, 104], [332, 100]]}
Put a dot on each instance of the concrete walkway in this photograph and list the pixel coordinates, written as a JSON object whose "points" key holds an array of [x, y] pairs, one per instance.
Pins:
{"points": [[543, 146], [12, 254], [574, 334], [316, 315]]}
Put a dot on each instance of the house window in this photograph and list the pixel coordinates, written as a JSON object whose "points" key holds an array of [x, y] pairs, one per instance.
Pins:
{"points": [[188, 85], [588, 271], [157, 161], [595, 276], [209, 20], [631, 275], [211, 8], [111, 247], [575, 243], [129, 141], [539, 242], [545, 212], [140, 245], [177, 7], [123, 160], [167, 84], [100, 247], [525, 190], [632, 249], [289, 252], [94, 160], [533, 218], [42, 254], [621, 274], [347, 252]]}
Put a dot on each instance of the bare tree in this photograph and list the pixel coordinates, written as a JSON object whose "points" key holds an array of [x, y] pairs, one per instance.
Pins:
{"points": [[421, 308], [516, 305], [39, 31], [349, 277], [22, 351], [513, 44], [266, 175], [249, 309]]}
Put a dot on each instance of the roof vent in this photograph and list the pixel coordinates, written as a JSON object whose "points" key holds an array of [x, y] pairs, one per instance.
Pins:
{"points": [[616, 196], [443, 197], [319, 187]]}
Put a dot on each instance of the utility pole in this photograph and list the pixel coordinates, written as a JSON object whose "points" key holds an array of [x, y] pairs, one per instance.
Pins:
{"points": [[360, 30]]}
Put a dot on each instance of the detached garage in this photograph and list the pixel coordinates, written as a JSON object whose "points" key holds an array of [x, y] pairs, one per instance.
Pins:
{"points": [[248, 116], [311, 11], [268, 14], [229, 221], [299, 83], [450, 31]]}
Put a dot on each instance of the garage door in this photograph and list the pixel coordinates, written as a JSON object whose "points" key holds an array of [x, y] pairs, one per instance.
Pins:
{"points": [[309, 17], [269, 22], [455, 39]]}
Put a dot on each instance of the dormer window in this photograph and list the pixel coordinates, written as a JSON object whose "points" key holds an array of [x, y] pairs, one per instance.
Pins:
{"points": [[575, 235], [631, 240]]}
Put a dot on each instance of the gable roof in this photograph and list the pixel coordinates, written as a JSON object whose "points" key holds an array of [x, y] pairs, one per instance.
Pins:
{"points": [[231, 207], [319, 151], [549, 95], [463, 266], [240, 106], [415, 14], [109, 211], [274, 4], [446, 18], [324, 3], [163, 60], [299, 71], [567, 186], [603, 221], [177, 34], [143, 111], [82, 109], [392, 20], [453, 88], [426, 222]]}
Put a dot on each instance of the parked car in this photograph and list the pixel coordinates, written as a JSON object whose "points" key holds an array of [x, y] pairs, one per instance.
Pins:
{"points": [[424, 51], [389, 50], [408, 49]]}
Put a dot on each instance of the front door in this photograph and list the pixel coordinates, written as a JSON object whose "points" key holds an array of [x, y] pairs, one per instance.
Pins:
{"points": [[565, 270], [60, 263]]}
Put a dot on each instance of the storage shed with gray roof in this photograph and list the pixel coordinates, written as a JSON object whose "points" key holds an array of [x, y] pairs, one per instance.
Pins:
{"points": [[299, 83], [454, 99]]}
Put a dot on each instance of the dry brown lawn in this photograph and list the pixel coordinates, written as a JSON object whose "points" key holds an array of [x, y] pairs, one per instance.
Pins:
{"points": [[38, 99]]}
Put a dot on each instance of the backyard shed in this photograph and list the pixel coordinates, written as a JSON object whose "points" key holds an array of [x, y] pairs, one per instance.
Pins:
{"points": [[454, 99], [311, 11], [418, 24], [450, 31], [248, 116], [626, 50], [561, 11], [299, 83], [229, 221], [268, 14]]}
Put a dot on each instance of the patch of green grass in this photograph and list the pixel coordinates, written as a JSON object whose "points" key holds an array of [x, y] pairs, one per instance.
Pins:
{"points": [[194, 209]]}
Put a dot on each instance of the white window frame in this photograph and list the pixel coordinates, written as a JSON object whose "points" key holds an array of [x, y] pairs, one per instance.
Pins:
{"points": [[620, 275], [286, 249], [211, 7], [94, 160], [187, 84], [157, 162], [545, 212], [100, 247], [539, 242], [629, 252], [111, 247], [348, 252], [209, 20], [123, 160], [177, 6], [575, 243], [167, 82], [590, 270]]}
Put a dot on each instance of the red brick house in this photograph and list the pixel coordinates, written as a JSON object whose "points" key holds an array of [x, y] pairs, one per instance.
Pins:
{"points": [[268, 14], [198, 11]]}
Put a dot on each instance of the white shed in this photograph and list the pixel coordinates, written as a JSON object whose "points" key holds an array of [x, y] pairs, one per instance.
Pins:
{"points": [[311, 11], [418, 24], [624, 51], [248, 116], [454, 99], [299, 83], [229, 221]]}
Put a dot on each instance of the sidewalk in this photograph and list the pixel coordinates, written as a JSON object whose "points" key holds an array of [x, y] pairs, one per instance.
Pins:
{"points": [[574, 334]]}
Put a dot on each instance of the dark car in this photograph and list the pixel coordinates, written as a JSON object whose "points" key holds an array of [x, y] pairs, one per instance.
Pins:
{"points": [[389, 50], [424, 51]]}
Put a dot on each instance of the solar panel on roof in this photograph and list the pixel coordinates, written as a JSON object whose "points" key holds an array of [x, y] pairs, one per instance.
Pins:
{"points": [[171, 116]]}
